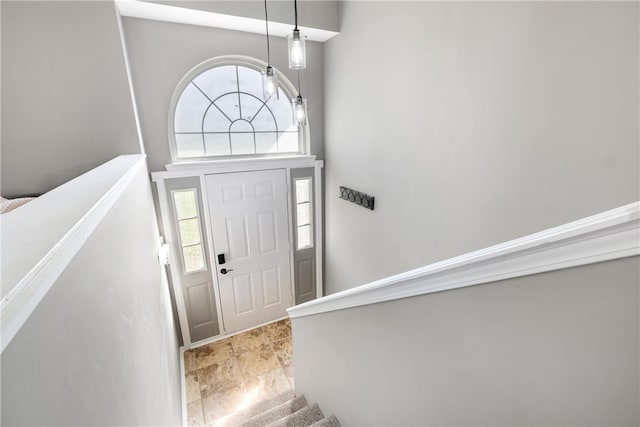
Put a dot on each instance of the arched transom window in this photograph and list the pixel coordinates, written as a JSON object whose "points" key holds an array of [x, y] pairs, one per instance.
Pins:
{"points": [[221, 112]]}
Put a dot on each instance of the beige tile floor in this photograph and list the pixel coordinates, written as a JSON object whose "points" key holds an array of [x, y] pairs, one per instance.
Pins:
{"points": [[236, 372]]}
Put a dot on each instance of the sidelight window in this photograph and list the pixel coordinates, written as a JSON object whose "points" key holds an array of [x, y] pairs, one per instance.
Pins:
{"points": [[304, 230], [189, 229]]}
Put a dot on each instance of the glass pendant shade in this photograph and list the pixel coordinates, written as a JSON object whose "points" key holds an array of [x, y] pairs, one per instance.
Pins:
{"points": [[297, 51], [299, 110], [270, 83]]}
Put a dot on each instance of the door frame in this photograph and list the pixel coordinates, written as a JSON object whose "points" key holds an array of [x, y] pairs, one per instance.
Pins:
{"points": [[200, 169]]}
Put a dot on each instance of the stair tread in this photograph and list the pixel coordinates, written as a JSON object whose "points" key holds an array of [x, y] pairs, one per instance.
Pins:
{"points": [[276, 413], [304, 417], [241, 416], [331, 421]]}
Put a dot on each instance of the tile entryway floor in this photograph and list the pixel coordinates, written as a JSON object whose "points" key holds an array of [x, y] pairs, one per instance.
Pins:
{"points": [[228, 375]]}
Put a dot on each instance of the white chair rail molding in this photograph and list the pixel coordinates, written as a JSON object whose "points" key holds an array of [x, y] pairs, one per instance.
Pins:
{"points": [[35, 251], [609, 235]]}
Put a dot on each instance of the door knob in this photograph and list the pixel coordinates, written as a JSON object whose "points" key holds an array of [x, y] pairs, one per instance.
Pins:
{"points": [[225, 271]]}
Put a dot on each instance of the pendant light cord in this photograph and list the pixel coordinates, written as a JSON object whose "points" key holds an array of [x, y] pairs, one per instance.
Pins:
{"points": [[295, 8], [299, 93], [266, 24]]}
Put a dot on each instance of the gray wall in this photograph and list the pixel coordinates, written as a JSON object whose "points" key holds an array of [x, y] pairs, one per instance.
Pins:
{"points": [[66, 104], [559, 348], [472, 124], [161, 53], [101, 347]]}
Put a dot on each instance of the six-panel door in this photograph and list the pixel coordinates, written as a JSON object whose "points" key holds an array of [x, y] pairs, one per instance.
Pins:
{"points": [[249, 220]]}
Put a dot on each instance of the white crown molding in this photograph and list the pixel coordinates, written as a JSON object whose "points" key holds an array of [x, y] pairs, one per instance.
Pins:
{"points": [[603, 237], [181, 15], [18, 304]]}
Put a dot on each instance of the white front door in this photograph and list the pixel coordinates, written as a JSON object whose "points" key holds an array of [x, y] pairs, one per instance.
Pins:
{"points": [[250, 227]]}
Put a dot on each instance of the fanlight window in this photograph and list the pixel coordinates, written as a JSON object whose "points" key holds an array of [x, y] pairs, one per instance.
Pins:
{"points": [[222, 112]]}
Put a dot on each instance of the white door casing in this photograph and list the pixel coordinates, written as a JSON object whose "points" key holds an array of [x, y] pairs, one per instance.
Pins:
{"points": [[250, 226], [201, 171]]}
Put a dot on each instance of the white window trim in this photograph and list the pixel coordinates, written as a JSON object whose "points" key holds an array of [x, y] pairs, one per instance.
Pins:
{"points": [[186, 169], [245, 61]]}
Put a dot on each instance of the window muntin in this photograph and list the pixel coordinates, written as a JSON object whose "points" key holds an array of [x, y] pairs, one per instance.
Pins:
{"points": [[185, 203], [304, 213], [221, 113]]}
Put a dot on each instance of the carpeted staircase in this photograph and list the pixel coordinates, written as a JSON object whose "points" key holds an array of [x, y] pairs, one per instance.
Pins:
{"points": [[284, 410]]}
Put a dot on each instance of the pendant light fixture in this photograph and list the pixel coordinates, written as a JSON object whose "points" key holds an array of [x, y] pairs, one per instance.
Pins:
{"points": [[297, 51], [299, 107], [269, 77]]}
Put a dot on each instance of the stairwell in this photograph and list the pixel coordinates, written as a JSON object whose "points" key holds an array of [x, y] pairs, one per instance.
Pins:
{"points": [[284, 410]]}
